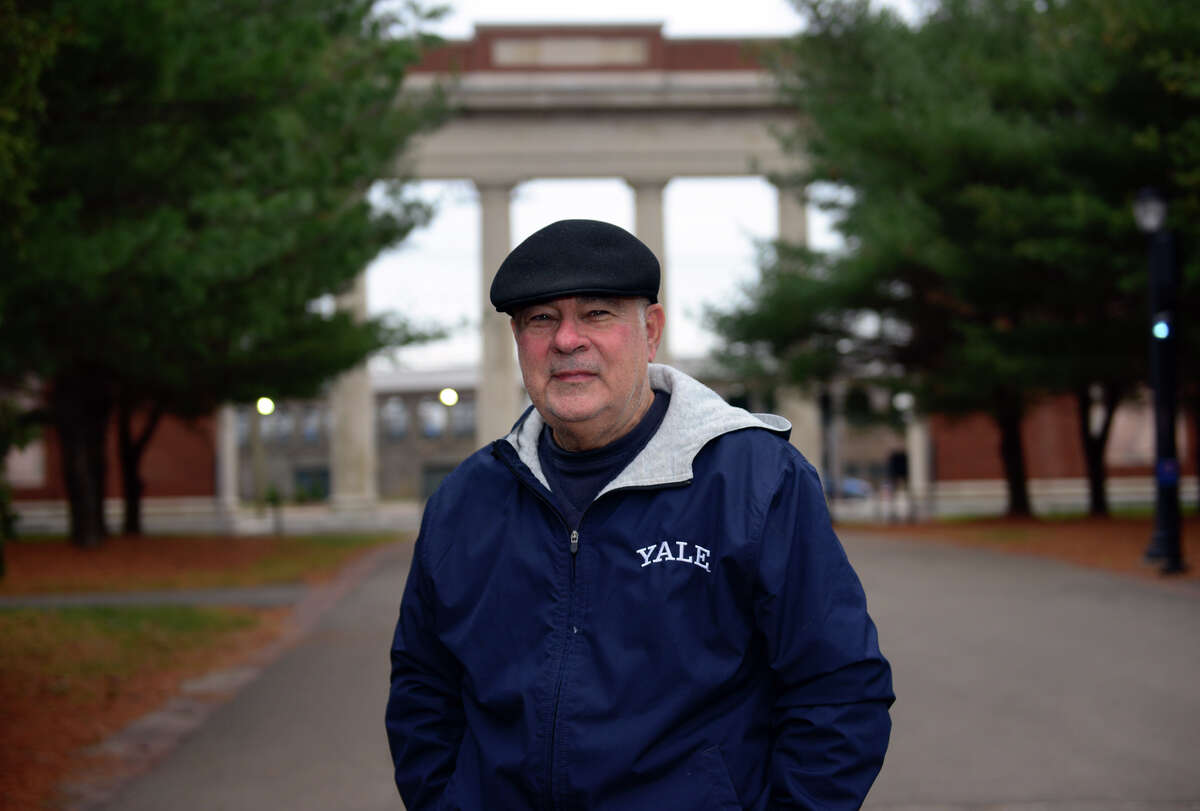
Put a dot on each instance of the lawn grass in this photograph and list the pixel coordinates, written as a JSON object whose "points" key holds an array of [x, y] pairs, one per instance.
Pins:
{"points": [[153, 563], [77, 651]]}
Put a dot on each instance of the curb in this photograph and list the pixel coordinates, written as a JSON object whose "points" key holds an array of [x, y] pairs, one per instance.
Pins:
{"points": [[142, 743]]}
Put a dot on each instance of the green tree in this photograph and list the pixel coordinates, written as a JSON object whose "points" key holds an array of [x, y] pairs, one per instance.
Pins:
{"points": [[1152, 85], [203, 177], [27, 44], [990, 170]]}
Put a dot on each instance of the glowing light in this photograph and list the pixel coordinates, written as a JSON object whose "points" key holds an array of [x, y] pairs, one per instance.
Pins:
{"points": [[448, 396], [1161, 330], [265, 406]]}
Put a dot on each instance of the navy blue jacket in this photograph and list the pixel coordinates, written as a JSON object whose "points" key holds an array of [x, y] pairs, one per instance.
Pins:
{"points": [[699, 641]]}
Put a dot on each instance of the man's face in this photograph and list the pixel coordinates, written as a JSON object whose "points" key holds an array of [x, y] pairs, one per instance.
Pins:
{"points": [[584, 363]]}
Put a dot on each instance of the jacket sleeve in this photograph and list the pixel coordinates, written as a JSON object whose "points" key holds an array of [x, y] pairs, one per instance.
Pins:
{"points": [[424, 717], [833, 688]]}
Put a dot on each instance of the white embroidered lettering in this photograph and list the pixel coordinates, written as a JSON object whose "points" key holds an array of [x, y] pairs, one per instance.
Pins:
{"points": [[657, 553]]}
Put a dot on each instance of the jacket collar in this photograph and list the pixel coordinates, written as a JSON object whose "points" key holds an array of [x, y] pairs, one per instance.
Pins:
{"points": [[695, 416]]}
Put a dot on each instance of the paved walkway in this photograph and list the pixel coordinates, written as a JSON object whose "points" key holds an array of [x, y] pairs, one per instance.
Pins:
{"points": [[1023, 684]]}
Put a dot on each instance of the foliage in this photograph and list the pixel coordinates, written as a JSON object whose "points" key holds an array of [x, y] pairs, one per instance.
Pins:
{"points": [[27, 44], [990, 153], [203, 171]]}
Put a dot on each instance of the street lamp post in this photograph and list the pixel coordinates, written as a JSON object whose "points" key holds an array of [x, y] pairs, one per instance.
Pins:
{"points": [[1150, 211]]}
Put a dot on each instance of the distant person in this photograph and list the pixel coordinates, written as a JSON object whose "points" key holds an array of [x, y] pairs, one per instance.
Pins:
{"points": [[634, 600], [899, 497]]}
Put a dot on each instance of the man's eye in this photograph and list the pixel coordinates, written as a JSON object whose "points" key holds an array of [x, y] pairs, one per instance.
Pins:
{"points": [[598, 313]]}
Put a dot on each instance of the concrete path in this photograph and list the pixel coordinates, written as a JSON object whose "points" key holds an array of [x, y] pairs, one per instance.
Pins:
{"points": [[1023, 684], [1028, 684]]}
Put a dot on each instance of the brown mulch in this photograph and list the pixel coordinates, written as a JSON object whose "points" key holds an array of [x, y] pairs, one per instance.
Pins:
{"points": [[126, 558], [127, 562], [1114, 544]]}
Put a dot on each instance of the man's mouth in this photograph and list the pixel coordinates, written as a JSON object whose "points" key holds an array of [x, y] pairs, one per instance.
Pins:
{"points": [[573, 376]]}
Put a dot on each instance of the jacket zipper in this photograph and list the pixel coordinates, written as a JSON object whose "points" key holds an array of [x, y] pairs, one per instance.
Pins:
{"points": [[562, 667]]}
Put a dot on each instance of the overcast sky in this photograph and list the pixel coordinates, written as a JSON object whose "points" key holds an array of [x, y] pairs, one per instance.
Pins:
{"points": [[712, 226]]}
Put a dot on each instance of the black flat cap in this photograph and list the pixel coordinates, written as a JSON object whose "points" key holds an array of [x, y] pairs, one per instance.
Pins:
{"points": [[575, 258]]}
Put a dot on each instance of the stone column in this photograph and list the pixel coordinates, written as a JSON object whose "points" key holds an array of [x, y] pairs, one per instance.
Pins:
{"points": [[835, 433], [498, 402], [227, 463], [648, 225], [353, 461], [793, 218], [797, 405], [920, 466]]}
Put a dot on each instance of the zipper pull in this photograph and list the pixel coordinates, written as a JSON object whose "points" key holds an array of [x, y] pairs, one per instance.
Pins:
{"points": [[574, 542]]}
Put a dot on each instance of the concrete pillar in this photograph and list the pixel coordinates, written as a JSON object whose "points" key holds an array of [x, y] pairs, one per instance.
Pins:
{"points": [[499, 400], [797, 405], [258, 460], [835, 434], [792, 217], [920, 465], [353, 461], [227, 462], [802, 411], [648, 225]]}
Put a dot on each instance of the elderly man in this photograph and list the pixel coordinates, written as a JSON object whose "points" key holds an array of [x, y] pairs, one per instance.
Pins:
{"points": [[634, 600]]}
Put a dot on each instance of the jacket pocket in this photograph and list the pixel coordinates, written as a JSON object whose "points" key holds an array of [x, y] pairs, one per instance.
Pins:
{"points": [[721, 795], [449, 799]]}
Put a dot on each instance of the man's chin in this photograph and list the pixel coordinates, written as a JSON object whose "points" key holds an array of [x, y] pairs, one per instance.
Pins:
{"points": [[565, 411]]}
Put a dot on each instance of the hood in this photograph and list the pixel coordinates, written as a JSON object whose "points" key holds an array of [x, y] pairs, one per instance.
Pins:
{"points": [[696, 416]]}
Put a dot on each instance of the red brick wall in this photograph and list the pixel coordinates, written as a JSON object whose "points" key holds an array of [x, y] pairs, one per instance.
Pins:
{"points": [[180, 461], [662, 54], [969, 447]]}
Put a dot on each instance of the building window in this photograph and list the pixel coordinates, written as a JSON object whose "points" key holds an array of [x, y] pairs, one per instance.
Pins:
{"points": [[311, 484], [243, 426], [462, 418], [393, 413], [313, 425], [278, 426], [432, 416]]}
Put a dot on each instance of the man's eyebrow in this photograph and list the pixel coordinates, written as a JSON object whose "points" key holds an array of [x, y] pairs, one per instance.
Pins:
{"points": [[610, 301]]}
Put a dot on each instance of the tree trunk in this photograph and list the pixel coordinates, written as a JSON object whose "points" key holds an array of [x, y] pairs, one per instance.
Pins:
{"points": [[1195, 446], [1095, 443], [1008, 418], [80, 407], [131, 446]]}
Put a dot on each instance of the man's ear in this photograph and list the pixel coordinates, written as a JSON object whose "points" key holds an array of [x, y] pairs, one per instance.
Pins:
{"points": [[656, 318], [512, 324]]}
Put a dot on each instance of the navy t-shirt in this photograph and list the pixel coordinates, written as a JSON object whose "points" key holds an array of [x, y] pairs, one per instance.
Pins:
{"points": [[576, 477]]}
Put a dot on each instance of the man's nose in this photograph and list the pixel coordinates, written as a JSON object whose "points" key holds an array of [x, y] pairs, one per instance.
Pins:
{"points": [[569, 337]]}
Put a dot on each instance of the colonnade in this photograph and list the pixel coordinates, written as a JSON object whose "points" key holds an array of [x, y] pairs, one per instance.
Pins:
{"points": [[500, 396]]}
